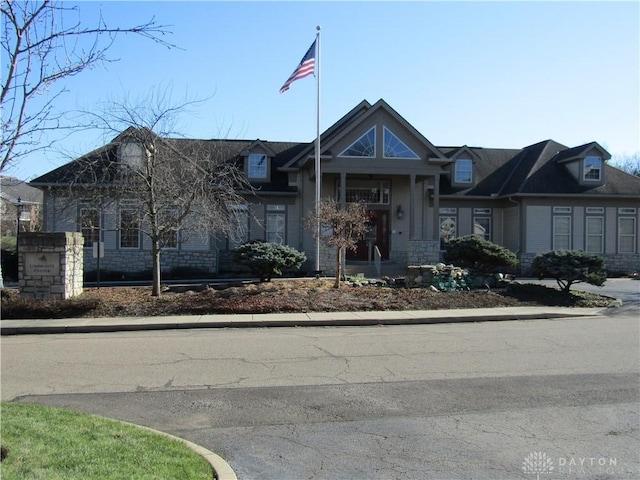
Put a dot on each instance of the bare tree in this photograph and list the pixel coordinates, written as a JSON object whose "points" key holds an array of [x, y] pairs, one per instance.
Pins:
{"points": [[181, 187], [42, 44], [340, 228], [628, 163]]}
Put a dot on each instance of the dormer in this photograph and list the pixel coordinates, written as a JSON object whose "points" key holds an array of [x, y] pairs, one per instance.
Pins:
{"points": [[462, 167], [258, 158], [585, 163]]}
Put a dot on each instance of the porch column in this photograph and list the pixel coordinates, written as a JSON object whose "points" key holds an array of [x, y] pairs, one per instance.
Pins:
{"points": [[436, 207], [412, 207], [343, 189], [425, 210]]}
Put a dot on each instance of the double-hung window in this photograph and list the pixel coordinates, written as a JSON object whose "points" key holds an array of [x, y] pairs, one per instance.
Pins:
{"points": [[257, 166], [129, 228], [90, 225], [482, 222], [626, 230], [593, 168], [240, 229], [276, 224], [463, 171], [562, 228], [594, 230]]}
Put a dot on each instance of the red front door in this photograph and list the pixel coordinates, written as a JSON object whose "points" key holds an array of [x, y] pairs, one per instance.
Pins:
{"points": [[377, 236]]}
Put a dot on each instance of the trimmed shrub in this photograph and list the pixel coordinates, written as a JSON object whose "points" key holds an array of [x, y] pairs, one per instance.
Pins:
{"points": [[477, 254], [569, 267], [265, 259]]}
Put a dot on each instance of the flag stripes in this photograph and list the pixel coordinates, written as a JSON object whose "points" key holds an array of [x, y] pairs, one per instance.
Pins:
{"points": [[304, 69]]}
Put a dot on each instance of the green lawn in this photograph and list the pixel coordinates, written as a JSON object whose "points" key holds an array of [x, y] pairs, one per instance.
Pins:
{"points": [[52, 443]]}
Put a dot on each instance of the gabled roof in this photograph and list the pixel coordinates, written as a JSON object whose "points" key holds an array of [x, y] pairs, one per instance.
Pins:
{"points": [[580, 151], [104, 161], [299, 160], [350, 121], [535, 170]]}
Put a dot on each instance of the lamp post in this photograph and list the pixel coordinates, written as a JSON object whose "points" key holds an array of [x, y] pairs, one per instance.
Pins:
{"points": [[18, 213]]}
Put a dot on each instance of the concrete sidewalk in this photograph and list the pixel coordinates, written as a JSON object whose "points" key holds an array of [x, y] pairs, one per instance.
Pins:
{"points": [[314, 319]]}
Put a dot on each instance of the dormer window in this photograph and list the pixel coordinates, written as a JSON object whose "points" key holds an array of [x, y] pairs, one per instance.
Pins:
{"points": [[257, 167], [593, 168], [131, 154], [463, 171]]}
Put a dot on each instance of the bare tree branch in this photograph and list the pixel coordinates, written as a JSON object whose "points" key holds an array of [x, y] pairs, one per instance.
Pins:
{"points": [[39, 50]]}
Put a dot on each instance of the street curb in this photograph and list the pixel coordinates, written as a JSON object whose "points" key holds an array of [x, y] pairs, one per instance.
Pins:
{"points": [[352, 320], [222, 470]]}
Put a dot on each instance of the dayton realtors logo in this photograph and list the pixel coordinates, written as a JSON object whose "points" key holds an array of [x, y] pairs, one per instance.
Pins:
{"points": [[536, 463]]}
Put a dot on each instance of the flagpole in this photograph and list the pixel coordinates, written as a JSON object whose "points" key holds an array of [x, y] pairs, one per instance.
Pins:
{"points": [[317, 156]]}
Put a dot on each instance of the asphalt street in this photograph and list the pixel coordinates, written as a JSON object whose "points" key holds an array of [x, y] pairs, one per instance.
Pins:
{"points": [[443, 401]]}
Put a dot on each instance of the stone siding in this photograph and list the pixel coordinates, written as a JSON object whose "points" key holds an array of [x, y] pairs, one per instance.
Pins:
{"points": [[138, 261], [59, 274], [423, 252]]}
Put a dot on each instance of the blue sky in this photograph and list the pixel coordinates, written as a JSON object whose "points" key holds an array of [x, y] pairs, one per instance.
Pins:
{"points": [[489, 74]]}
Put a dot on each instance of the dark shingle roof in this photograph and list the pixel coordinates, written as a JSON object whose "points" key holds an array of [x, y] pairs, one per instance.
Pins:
{"points": [[101, 163]]}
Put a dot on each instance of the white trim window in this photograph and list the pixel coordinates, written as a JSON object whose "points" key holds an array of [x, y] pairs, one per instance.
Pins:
{"points": [[626, 234], [592, 168], [482, 223], [463, 171], [240, 228], [129, 228], [90, 226], [594, 234], [276, 223], [448, 222], [363, 147], [561, 232], [257, 166], [170, 239], [396, 148]]}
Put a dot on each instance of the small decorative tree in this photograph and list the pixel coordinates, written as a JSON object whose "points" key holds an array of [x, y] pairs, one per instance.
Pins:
{"points": [[265, 259], [480, 255], [339, 227], [569, 267]]}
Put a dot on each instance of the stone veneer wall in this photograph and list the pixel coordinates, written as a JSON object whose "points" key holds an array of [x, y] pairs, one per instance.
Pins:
{"points": [[423, 252], [137, 261], [50, 264], [614, 263]]}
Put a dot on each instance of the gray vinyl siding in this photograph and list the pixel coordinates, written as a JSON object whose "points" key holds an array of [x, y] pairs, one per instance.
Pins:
{"points": [[611, 230], [512, 228], [578, 228], [465, 222], [539, 229]]}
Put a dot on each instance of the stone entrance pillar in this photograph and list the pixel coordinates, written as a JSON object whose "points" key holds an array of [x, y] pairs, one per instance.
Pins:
{"points": [[50, 264]]}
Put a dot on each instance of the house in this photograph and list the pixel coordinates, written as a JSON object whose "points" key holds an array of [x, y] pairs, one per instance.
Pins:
{"points": [[531, 200], [20, 205]]}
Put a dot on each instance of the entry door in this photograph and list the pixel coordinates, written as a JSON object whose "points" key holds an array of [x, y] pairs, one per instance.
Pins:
{"points": [[378, 235]]}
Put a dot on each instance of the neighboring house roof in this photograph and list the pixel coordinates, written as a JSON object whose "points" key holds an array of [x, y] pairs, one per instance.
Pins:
{"points": [[12, 188]]}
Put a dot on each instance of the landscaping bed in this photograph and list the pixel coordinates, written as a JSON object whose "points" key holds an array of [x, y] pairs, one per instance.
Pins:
{"points": [[284, 296]]}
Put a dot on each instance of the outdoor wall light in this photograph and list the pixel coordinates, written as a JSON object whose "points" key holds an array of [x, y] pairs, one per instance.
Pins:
{"points": [[399, 212]]}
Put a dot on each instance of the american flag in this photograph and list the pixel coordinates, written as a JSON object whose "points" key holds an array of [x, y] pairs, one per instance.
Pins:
{"points": [[304, 69]]}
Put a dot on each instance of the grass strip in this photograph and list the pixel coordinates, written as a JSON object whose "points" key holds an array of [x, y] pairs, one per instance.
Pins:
{"points": [[53, 443]]}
